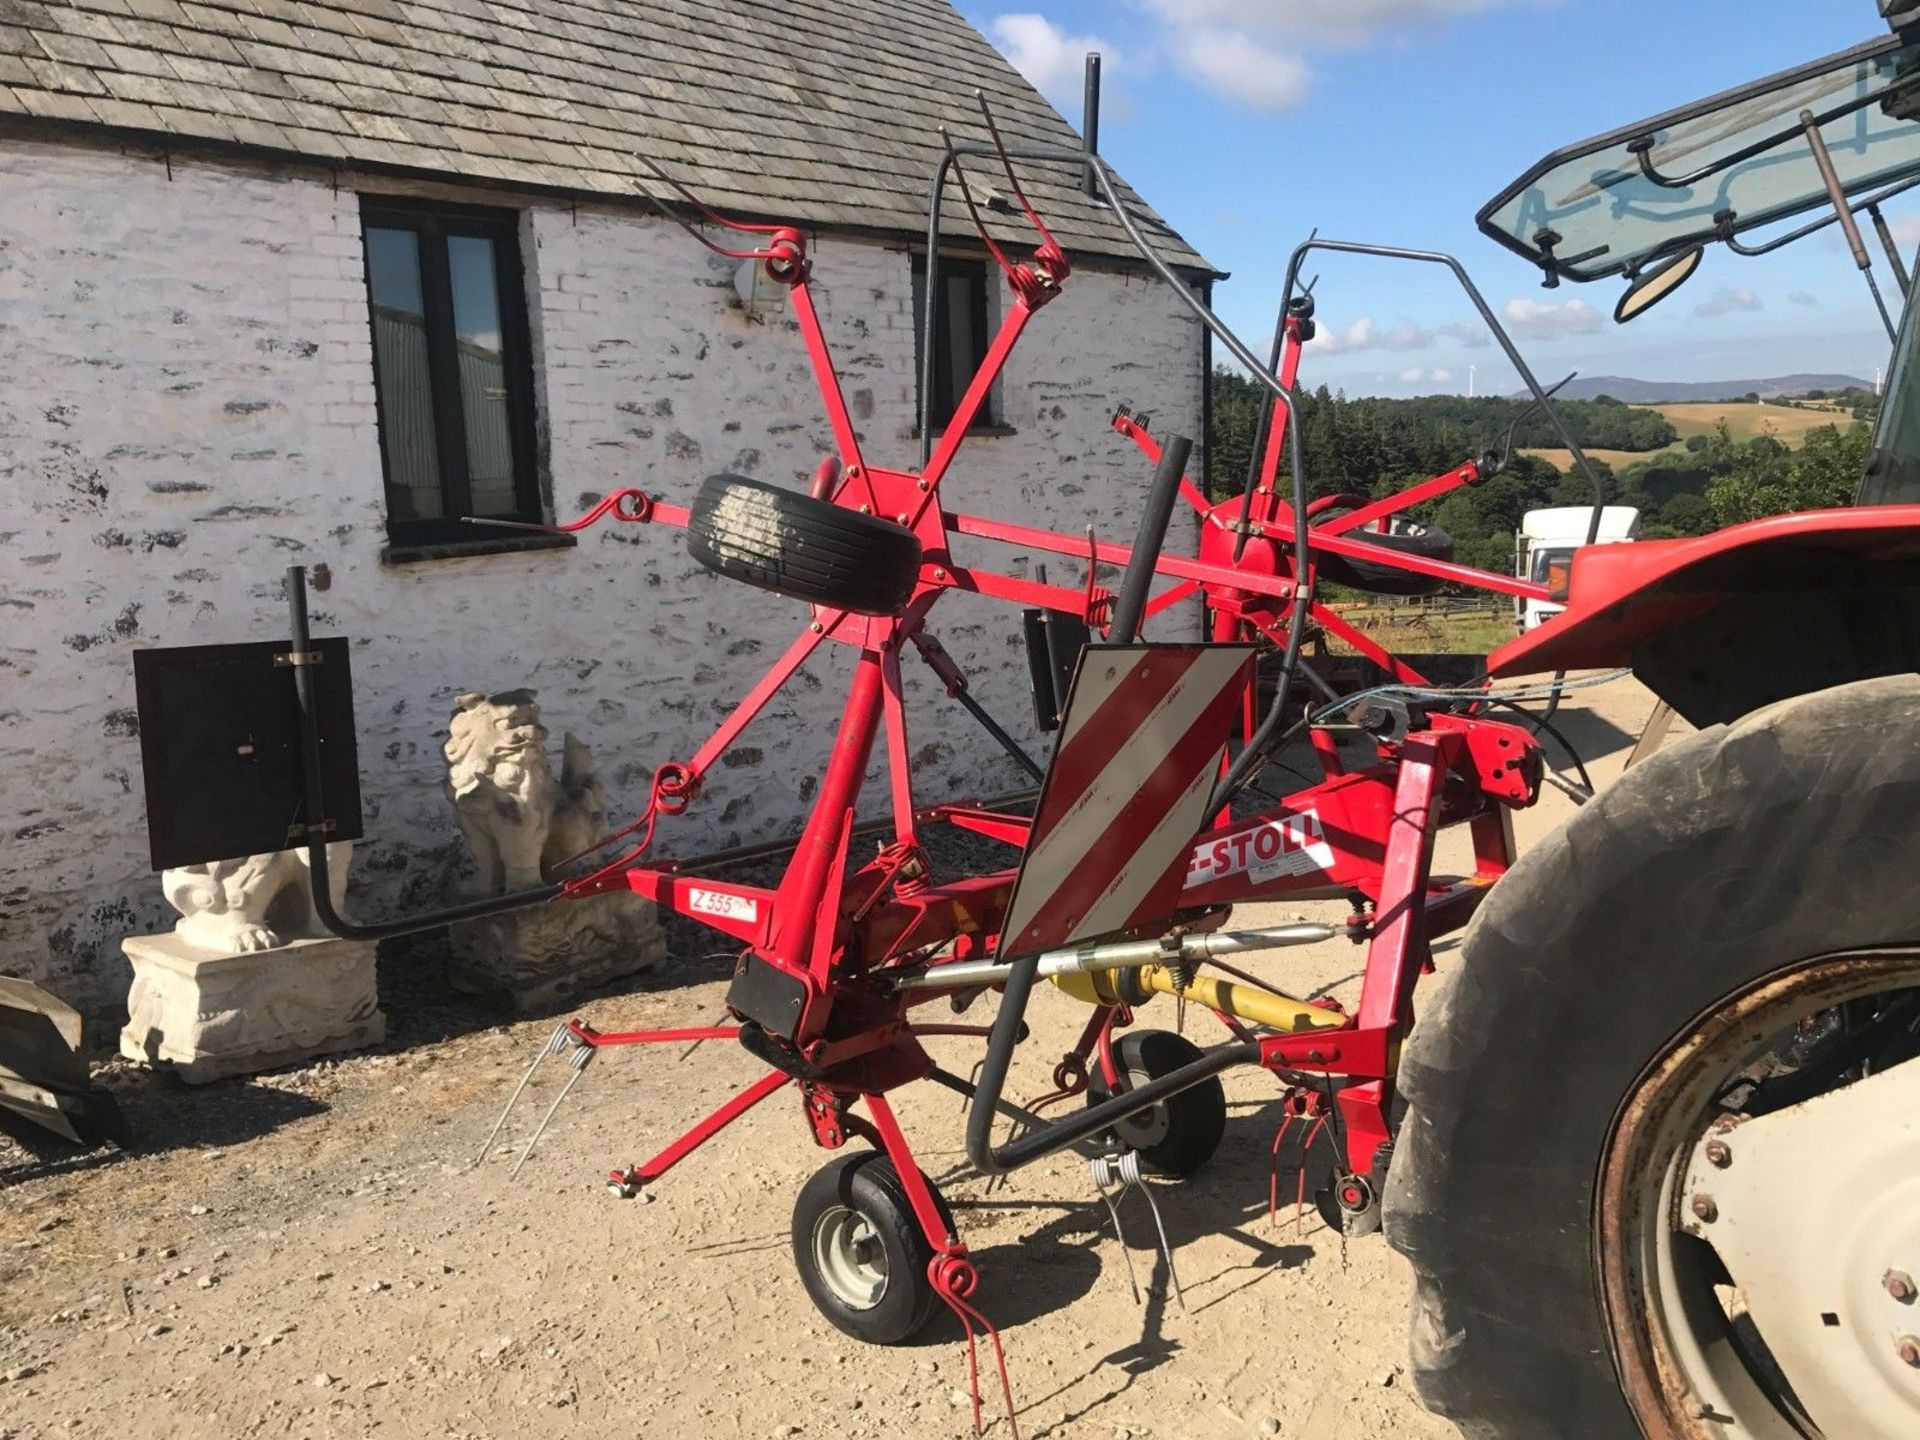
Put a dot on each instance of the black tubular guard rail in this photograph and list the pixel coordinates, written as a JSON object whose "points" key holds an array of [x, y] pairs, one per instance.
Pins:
{"points": [[1011, 1017], [1010, 1020], [316, 810]]}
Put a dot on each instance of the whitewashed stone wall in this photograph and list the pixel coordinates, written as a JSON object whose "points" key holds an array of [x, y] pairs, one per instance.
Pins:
{"points": [[187, 406]]}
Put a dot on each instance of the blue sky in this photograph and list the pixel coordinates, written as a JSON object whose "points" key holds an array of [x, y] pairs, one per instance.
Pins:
{"points": [[1250, 122]]}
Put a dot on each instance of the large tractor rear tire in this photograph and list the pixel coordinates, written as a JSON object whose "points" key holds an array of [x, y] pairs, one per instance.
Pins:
{"points": [[1660, 1174]]}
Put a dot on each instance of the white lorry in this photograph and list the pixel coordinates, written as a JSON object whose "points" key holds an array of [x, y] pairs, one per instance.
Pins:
{"points": [[1550, 535]]}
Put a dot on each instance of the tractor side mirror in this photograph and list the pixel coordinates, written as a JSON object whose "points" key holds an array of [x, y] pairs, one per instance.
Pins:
{"points": [[1650, 287]]}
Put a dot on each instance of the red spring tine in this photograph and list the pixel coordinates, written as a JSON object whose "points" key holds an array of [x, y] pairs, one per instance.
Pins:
{"points": [[1048, 244], [1273, 1171], [1306, 1154], [1007, 267], [743, 226], [780, 256], [954, 1279]]}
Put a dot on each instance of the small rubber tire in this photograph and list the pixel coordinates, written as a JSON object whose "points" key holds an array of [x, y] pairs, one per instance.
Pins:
{"points": [[1178, 1136], [806, 549], [865, 1185], [1736, 854], [1407, 537]]}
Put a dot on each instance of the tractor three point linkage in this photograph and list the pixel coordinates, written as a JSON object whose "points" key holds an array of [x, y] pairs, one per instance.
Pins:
{"points": [[1146, 833]]}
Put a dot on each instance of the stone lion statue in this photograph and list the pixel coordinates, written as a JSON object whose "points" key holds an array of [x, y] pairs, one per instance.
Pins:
{"points": [[519, 821], [257, 902]]}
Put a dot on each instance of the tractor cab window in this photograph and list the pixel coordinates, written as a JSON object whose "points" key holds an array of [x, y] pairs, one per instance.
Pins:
{"points": [[1893, 461]]}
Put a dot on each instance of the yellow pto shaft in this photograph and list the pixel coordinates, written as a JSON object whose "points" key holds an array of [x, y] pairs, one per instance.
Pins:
{"points": [[1244, 1002]]}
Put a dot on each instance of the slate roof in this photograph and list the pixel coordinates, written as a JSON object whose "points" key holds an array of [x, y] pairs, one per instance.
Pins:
{"points": [[826, 112]]}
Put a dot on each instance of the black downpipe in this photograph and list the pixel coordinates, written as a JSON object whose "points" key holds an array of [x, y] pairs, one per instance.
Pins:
{"points": [[315, 808], [1090, 118], [1131, 607]]}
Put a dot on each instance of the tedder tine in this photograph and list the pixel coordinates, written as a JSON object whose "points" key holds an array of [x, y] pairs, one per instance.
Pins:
{"points": [[553, 1046], [579, 1062]]}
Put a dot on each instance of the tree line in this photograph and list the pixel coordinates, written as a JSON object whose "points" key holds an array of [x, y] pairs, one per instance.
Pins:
{"points": [[1373, 447]]}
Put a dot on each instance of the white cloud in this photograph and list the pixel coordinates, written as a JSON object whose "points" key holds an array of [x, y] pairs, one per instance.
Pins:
{"points": [[1803, 297], [1413, 376], [1236, 64], [1323, 22], [1540, 320], [1408, 335], [1357, 336], [1254, 51], [1054, 60], [1728, 301]]}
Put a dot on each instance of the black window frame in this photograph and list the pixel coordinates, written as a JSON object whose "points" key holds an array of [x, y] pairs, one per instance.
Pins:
{"points": [[433, 222], [947, 387]]}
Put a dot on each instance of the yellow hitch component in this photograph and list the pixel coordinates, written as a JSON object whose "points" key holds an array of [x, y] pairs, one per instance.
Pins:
{"points": [[1278, 1012]]}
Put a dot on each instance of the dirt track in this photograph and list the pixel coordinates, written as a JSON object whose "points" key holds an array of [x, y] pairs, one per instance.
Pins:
{"points": [[310, 1254]]}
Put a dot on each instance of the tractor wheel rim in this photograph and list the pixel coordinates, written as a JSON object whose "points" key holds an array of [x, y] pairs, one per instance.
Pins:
{"points": [[1144, 1129], [1759, 1263], [850, 1257]]}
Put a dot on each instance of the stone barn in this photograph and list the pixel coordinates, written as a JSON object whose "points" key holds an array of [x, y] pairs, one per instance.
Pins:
{"points": [[309, 282]]}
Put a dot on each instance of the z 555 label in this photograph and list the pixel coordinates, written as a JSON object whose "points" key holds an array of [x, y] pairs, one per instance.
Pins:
{"points": [[717, 902]]}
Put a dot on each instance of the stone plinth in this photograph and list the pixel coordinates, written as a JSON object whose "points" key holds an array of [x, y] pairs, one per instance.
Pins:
{"points": [[206, 1016], [542, 958]]}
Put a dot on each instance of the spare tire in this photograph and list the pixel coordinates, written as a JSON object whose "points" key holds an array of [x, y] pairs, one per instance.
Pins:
{"points": [[806, 549], [1405, 537]]}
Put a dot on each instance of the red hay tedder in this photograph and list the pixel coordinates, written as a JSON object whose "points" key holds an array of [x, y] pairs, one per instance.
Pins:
{"points": [[1710, 950]]}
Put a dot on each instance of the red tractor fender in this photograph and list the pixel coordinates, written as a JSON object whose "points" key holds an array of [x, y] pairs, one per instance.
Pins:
{"points": [[1719, 625]]}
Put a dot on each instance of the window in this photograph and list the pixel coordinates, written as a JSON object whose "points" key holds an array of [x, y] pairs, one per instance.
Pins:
{"points": [[452, 369], [960, 328]]}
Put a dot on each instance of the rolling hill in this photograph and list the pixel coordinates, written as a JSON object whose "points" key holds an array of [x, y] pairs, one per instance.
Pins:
{"points": [[1668, 392]]}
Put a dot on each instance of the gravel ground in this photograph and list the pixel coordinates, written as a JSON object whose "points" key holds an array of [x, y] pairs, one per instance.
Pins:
{"points": [[314, 1252]]}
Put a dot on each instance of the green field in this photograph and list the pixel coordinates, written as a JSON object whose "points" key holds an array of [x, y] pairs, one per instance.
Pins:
{"points": [[1412, 628], [1788, 424]]}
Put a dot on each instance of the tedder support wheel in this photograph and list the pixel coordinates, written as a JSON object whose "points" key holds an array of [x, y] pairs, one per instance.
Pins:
{"points": [[1179, 1135], [1660, 1174], [862, 1255], [806, 549]]}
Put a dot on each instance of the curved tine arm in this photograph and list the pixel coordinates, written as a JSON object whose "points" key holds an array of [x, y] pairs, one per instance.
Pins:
{"points": [[1009, 1021], [1006, 163], [1540, 395], [935, 193], [745, 227], [1506, 445], [1253, 754], [973, 210]]}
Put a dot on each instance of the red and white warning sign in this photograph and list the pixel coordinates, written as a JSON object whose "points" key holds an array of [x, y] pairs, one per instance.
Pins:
{"points": [[1139, 750]]}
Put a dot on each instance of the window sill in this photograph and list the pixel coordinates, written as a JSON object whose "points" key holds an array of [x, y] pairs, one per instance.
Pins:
{"points": [[464, 549], [988, 431]]}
